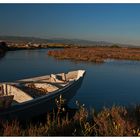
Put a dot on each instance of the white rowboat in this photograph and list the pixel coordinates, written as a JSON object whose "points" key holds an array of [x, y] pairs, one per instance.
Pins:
{"points": [[34, 96]]}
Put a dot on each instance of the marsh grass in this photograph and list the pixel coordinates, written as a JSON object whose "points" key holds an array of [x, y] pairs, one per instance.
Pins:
{"points": [[96, 54], [114, 121]]}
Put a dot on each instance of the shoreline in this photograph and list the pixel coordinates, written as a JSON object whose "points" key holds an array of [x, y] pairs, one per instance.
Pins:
{"points": [[5, 48], [96, 54]]}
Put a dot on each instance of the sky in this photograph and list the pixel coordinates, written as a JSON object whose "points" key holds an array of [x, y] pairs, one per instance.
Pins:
{"points": [[117, 23]]}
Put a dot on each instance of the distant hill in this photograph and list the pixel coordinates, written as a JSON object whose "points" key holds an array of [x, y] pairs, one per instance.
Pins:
{"points": [[21, 39], [62, 40]]}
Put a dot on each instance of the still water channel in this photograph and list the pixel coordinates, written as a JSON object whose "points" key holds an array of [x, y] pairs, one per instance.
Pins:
{"points": [[107, 84]]}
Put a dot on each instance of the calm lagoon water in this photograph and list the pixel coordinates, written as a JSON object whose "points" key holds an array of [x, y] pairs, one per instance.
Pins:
{"points": [[107, 84]]}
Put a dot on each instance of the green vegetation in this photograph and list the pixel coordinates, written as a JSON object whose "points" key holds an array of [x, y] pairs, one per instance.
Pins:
{"points": [[115, 46], [115, 121]]}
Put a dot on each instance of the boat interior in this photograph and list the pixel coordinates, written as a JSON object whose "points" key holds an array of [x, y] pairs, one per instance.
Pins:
{"points": [[28, 89]]}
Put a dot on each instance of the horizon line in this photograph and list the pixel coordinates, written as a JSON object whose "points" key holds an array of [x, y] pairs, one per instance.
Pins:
{"points": [[59, 38]]}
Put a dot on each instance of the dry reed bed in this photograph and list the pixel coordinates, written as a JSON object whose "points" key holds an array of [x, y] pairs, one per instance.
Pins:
{"points": [[96, 54], [115, 121]]}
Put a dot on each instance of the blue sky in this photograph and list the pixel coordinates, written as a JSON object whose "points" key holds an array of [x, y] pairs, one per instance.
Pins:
{"points": [[118, 23]]}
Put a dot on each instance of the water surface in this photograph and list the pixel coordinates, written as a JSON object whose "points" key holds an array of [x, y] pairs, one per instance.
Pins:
{"points": [[107, 84]]}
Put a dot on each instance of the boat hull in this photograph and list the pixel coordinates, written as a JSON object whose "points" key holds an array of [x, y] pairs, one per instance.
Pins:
{"points": [[42, 105]]}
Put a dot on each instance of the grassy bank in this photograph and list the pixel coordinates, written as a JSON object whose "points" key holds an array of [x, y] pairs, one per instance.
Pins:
{"points": [[115, 121], [97, 54]]}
